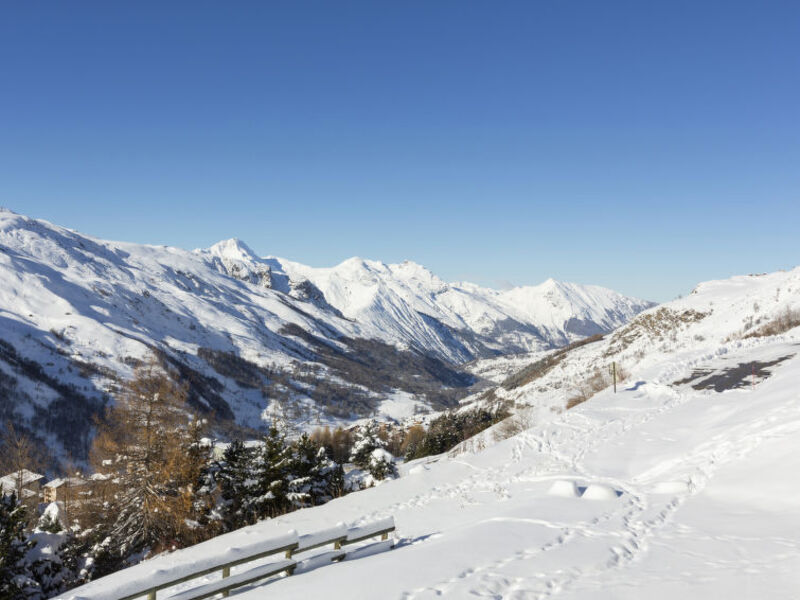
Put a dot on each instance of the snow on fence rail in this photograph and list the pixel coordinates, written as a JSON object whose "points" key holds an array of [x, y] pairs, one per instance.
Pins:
{"points": [[290, 544]]}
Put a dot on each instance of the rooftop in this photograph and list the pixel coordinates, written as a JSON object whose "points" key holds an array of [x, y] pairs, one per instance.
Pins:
{"points": [[26, 477]]}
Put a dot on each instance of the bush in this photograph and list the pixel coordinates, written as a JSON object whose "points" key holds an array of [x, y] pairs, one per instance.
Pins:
{"points": [[661, 324], [786, 320], [516, 423], [597, 382]]}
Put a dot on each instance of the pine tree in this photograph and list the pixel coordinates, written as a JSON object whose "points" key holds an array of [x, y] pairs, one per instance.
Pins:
{"points": [[88, 554], [15, 576], [301, 472], [329, 479], [366, 441], [49, 561], [381, 465], [313, 478], [271, 472], [233, 475], [208, 505], [336, 482]]}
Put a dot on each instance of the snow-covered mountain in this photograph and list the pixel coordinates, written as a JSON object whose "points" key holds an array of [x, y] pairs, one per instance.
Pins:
{"points": [[248, 333]]}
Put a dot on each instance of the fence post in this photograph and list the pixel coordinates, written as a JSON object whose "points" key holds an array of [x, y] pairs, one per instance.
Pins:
{"points": [[614, 371], [151, 595], [226, 572], [385, 536]]}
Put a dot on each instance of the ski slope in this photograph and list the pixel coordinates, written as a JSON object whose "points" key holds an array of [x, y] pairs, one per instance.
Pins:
{"points": [[659, 491]]}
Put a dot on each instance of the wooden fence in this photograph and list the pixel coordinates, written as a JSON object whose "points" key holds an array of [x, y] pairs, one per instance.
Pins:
{"points": [[289, 545]]}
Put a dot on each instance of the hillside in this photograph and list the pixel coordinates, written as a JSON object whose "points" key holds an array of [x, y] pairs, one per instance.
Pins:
{"points": [[678, 485], [716, 319], [251, 335]]}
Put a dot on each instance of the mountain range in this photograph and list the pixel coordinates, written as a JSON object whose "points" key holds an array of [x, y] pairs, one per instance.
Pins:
{"points": [[252, 334]]}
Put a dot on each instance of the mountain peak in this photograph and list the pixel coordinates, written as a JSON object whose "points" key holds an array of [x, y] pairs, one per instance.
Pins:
{"points": [[233, 249], [549, 284]]}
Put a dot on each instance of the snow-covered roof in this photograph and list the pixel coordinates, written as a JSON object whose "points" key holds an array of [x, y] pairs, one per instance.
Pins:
{"points": [[26, 477], [58, 482]]}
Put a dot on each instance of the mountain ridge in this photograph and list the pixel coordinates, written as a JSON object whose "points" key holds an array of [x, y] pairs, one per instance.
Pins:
{"points": [[386, 296]]}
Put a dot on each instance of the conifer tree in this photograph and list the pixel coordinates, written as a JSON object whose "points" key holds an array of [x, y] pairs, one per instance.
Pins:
{"points": [[233, 476], [366, 441], [329, 480], [208, 505], [272, 469], [381, 465], [313, 478], [299, 475], [48, 560], [187, 459], [15, 577]]}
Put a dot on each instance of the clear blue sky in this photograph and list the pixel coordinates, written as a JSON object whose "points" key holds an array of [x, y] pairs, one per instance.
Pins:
{"points": [[644, 146]]}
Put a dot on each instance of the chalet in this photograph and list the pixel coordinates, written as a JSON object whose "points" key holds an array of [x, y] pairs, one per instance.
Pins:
{"points": [[62, 489], [24, 483]]}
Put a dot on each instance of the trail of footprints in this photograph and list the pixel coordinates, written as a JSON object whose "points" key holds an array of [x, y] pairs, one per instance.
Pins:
{"points": [[638, 528]]}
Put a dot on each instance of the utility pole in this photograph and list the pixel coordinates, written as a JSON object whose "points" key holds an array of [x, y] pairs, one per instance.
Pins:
{"points": [[614, 374]]}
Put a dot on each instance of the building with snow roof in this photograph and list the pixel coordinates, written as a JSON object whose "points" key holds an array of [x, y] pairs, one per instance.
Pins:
{"points": [[24, 483], [62, 489]]}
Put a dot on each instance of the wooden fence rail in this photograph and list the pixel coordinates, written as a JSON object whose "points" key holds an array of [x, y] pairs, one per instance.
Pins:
{"points": [[289, 545]]}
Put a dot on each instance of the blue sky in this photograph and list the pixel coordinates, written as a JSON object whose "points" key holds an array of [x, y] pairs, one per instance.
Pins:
{"points": [[641, 146]]}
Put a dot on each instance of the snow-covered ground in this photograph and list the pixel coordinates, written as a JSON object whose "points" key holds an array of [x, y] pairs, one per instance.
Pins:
{"points": [[659, 491]]}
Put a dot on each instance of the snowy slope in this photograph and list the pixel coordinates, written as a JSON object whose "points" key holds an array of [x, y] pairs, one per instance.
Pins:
{"points": [[717, 318], [76, 313], [659, 491]]}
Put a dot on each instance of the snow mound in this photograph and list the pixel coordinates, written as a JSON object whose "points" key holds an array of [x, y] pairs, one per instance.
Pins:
{"points": [[599, 491], [564, 488]]}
